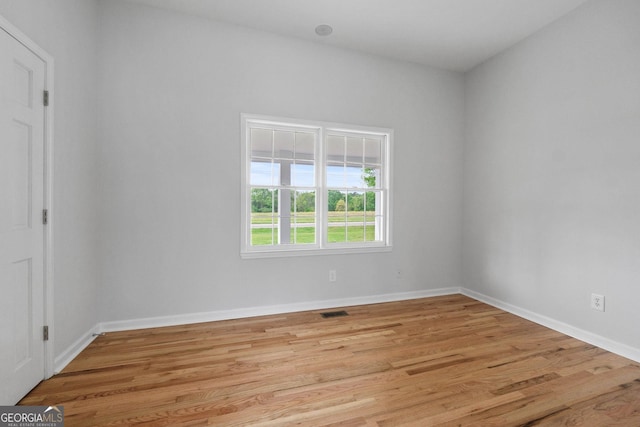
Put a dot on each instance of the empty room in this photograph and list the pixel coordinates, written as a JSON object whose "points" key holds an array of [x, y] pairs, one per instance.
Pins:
{"points": [[320, 212]]}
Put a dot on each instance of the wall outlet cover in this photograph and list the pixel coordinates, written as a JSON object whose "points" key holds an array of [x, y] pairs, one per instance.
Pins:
{"points": [[597, 302]]}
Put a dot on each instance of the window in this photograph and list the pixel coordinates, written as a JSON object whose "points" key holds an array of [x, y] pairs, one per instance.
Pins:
{"points": [[312, 187]]}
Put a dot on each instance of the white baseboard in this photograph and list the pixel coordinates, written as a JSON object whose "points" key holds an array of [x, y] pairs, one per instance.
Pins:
{"points": [[61, 361], [184, 319], [70, 353], [155, 322], [586, 336]]}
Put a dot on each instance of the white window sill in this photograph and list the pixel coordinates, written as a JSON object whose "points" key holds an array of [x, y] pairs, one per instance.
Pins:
{"points": [[344, 250]]}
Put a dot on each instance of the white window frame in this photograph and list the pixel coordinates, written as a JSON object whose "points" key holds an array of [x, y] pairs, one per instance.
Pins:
{"points": [[322, 246]]}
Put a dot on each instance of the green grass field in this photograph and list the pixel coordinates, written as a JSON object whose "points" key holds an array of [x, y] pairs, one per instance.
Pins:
{"points": [[301, 235], [266, 218]]}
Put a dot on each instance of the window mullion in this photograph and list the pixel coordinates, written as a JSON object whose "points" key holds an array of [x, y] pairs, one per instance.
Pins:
{"points": [[321, 184]]}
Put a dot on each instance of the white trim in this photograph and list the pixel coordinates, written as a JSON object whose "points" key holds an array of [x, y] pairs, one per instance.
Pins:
{"points": [[24, 39], [184, 319], [75, 349], [312, 251], [48, 189], [586, 336]]}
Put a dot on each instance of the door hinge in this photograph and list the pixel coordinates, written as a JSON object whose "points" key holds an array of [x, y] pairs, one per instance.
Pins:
{"points": [[45, 333], [45, 216], [45, 98]]}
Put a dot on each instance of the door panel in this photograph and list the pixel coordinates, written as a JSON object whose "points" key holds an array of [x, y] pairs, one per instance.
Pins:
{"points": [[22, 77], [18, 152]]}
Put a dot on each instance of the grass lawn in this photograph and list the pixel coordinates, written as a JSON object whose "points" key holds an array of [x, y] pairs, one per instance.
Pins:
{"points": [[268, 236], [266, 218]]}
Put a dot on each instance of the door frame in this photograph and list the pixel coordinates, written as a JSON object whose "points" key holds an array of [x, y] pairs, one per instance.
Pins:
{"points": [[14, 32]]}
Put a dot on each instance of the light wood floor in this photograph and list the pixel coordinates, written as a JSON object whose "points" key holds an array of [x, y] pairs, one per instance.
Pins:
{"points": [[437, 361]]}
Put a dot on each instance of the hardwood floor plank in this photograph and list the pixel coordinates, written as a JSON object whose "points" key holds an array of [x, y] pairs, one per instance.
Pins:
{"points": [[446, 360]]}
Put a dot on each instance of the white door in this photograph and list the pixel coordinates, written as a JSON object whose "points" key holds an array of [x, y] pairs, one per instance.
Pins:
{"points": [[22, 81]]}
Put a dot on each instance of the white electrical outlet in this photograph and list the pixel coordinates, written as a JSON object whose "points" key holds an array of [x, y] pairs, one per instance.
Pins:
{"points": [[332, 275], [597, 302]]}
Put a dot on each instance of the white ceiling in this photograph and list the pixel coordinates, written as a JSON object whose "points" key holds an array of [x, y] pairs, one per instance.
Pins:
{"points": [[449, 34]]}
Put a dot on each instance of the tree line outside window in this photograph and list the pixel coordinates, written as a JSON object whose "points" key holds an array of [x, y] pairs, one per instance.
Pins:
{"points": [[264, 200]]}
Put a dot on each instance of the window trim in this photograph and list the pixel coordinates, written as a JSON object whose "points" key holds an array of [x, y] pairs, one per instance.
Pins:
{"points": [[321, 247]]}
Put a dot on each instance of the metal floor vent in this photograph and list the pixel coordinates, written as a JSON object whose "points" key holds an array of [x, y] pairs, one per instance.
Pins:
{"points": [[334, 314]]}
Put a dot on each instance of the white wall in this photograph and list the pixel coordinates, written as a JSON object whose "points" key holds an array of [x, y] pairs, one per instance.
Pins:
{"points": [[147, 164], [66, 29], [552, 172], [173, 88]]}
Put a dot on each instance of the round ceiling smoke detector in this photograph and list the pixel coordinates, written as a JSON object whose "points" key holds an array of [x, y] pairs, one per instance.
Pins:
{"points": [[324, 30]]}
